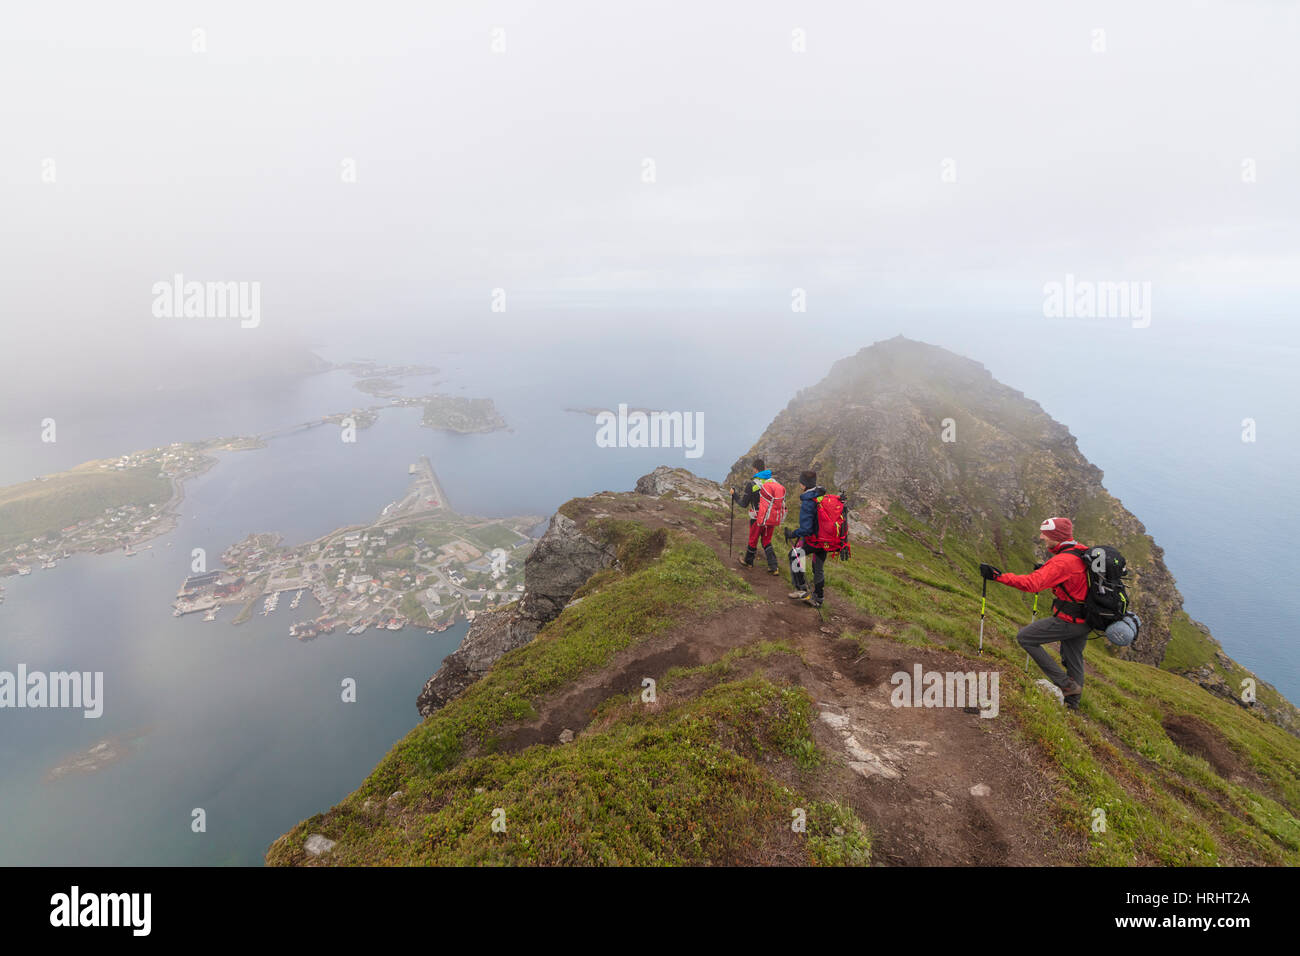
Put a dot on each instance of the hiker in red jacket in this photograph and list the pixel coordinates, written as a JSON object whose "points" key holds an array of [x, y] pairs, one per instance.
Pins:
{"points": [[1065, 575], [766, 512]]}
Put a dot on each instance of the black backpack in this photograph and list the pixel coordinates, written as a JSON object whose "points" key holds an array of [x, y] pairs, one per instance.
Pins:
{"points": [[1107, 599]]}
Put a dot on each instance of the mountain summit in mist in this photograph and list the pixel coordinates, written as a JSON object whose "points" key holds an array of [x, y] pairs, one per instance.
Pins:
{"points": [[646, 701]]}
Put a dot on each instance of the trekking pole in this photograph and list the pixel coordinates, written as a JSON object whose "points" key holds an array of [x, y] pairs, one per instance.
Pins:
{"points": [[731, 535], [984, 591]]}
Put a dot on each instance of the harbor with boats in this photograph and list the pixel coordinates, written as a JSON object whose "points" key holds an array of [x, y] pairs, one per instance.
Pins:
{"points": [[419, 565]]}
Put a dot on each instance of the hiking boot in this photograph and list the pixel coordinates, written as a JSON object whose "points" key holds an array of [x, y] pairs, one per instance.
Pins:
{"points": [[1070, 688], [1072, 701], [774, 571], [744, 564], [797, 595], [811, 599]]}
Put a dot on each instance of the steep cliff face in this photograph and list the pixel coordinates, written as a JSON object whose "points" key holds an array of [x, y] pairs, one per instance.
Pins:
{"points": [[563, 561]]}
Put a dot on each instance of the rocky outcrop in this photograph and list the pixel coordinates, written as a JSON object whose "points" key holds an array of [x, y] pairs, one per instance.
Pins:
{"points": [[1210, 676], [490, 636], [678, 483], [561, 563]]}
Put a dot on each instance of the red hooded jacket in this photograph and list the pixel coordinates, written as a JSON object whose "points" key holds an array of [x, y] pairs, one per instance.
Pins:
{"points": [[1063, 573]]}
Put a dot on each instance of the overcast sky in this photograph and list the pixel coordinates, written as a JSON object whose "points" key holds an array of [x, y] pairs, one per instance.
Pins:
{"points": [[523, 169]]}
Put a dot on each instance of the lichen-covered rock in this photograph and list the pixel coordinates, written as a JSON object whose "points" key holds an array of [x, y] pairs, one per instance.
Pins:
{"points": [[679, 483], [318, 844]]}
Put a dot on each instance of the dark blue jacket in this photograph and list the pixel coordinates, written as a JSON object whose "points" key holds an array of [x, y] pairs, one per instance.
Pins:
{"points": [[808, 512]]}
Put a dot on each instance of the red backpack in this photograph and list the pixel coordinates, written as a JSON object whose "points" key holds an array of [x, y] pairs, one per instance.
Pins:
{"points": [[832, 526], [771, 503]]}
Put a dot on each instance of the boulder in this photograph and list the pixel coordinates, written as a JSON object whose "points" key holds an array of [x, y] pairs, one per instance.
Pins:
{"points": [[317, 844], [679, 483], [1050, 689]]}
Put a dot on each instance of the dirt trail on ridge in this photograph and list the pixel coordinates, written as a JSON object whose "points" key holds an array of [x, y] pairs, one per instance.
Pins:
{"points": [[936, 785]]}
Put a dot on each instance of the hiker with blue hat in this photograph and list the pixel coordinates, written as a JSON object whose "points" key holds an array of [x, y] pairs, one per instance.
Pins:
{"points": [[765, 499]]}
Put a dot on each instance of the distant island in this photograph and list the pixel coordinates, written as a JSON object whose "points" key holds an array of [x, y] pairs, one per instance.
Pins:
{"points": [[463, 415], [377, 386], [384, 381], [360, 417], [367, 370], [451, 413], [101, 754]]}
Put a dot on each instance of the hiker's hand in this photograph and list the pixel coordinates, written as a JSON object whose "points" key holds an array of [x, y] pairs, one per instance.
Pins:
{"points": [[989, 573]]}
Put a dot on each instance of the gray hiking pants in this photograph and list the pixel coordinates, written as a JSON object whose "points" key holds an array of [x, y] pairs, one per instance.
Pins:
{"points": [[1049, 630]]}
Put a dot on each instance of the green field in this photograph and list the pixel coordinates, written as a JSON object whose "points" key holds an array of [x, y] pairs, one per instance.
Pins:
{"points": [[39, 507], [492, 536]]}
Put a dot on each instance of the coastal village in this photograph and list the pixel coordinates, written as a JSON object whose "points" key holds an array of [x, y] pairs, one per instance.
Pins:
{"points": [[151, 480], [419, 565]]}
